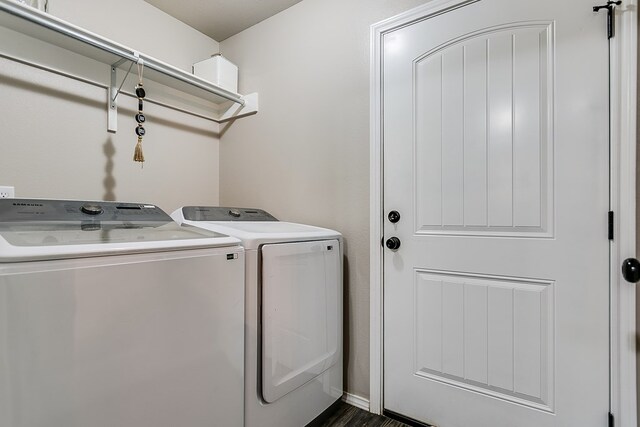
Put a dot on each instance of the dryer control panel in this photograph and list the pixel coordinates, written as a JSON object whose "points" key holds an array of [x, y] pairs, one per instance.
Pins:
{"points": [[220, 213]]}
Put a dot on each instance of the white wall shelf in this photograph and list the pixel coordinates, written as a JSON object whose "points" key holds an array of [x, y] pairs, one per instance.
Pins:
{"points": [[42, 26]]}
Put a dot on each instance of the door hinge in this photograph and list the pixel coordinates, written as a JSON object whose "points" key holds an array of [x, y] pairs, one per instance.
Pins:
{"points": [[611, 23], [610, 225], [611, 420]]}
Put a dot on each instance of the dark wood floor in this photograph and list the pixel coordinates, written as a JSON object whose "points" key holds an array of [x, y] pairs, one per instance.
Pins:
{"points": [[348, 415]]}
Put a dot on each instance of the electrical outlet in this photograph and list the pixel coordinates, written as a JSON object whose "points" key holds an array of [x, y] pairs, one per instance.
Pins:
{"points": [[7, 192]]}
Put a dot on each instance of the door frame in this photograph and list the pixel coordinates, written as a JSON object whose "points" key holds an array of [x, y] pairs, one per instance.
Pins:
{"points": [[623, 90]]}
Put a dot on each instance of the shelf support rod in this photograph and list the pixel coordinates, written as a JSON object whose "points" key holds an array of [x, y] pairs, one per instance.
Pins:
{"points": [[106, 87], [113, 67], [114, 90]]}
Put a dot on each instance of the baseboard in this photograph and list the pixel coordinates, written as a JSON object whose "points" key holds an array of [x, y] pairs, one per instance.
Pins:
{"points": [[355, 400]]}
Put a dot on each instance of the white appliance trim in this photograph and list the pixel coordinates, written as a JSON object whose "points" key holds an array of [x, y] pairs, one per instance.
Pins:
{"points": [[623, 79]]}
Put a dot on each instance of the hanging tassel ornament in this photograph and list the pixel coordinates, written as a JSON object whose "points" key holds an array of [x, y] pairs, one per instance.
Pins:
{"points": [[138, 155]]}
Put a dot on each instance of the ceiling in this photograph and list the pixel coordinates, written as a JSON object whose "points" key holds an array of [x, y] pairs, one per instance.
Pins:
{"points": [[220, 19]]}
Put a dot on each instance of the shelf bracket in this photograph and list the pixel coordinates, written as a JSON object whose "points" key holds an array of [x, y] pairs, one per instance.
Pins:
{"points": [[235, 111], [114, 90]]}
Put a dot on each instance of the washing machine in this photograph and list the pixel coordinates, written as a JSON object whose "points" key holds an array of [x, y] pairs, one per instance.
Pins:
{"points": [[111, 314], [293, 336]]}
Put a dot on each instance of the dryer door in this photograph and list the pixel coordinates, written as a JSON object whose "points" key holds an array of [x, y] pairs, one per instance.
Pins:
{"points": [[301, 313]]}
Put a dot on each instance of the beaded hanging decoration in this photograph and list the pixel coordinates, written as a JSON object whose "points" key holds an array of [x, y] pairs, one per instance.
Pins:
{"points": [[138, 155]]}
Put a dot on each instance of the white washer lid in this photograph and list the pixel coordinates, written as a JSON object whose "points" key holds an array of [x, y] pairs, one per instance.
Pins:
{"points": [[254, 234], [37, 229], [22, 245]]}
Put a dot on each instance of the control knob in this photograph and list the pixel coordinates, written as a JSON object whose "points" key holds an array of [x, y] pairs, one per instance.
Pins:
{"points": [[91, 209]]}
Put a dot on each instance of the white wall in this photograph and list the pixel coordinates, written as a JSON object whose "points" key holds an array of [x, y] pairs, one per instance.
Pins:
{"points": [[138, 25], [53, 130], [305, 156]]}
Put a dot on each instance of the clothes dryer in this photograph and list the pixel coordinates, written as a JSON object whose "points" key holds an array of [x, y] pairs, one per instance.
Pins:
{"points": [[111, 314], [293, 337]]}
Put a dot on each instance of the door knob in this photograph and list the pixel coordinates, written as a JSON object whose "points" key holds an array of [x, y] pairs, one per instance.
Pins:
{"points": [[394, 216], [393, 243], [631, 270]]}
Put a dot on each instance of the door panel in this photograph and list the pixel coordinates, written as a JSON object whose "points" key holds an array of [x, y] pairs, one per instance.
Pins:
{"points": [[482, 107], [491, 335], [495, 141]]}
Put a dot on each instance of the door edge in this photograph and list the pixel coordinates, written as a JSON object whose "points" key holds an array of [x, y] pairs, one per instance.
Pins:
{"points": [[623, 90]]}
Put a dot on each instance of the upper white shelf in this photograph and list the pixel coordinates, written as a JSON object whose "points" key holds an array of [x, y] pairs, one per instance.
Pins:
{"points": [[43, 26]]}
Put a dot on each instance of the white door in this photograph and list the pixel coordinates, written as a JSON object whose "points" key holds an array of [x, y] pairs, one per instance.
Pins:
{"points": [[495, 137]]}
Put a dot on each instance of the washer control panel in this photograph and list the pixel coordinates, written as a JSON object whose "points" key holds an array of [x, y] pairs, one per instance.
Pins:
{"points": [[220, 213], [40, 210]]}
